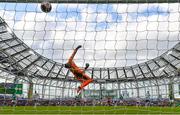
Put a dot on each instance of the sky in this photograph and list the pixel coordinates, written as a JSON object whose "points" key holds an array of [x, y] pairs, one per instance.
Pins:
{"points": [[112, 35]]}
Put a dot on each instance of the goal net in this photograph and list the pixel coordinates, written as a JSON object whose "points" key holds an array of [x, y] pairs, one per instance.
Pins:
{"points": [[132, 48]]}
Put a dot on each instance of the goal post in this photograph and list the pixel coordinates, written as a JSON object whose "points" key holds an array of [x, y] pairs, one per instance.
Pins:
{"points": [[93, 1]]}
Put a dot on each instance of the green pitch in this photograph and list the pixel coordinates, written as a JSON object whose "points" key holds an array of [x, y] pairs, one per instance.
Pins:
{"points": [[88, 110]]}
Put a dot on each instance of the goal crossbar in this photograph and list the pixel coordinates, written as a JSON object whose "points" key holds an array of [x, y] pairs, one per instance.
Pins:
{"points": [[93, 1]]}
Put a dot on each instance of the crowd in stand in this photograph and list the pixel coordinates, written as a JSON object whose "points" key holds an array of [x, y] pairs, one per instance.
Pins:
{"points": [[84, 102]]}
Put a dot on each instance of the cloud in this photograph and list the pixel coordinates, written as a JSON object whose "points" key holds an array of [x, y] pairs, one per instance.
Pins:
{"points": [[111, 35]]}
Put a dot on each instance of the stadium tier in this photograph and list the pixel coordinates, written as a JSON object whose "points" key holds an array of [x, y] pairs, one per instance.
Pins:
{"points": [[21, 61]]}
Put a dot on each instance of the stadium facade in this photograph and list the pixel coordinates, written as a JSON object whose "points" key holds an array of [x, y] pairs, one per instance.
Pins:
{"points": [[156, 78]]}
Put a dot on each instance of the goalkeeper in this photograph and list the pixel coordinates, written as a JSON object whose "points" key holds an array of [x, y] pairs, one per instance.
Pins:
{"points": [[78, 73]]}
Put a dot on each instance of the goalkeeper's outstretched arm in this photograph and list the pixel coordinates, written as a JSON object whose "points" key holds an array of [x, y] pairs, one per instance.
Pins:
{"points": [[74, 53], [87, 65]]}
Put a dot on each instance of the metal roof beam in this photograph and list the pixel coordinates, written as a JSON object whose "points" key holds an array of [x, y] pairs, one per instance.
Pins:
{"points": [[116, 73], [141, 71], [59, 71], [176, 50], [2, 23], [159, 66], [133, 72], [92, 75], [4, 60], [31, 63], [175, 57], [108, 73], [168, 63], [41, 67], [67, 74], [51, 69], [11, 47], [124, 72], [150, 69], [100, 81], [18, 61], [45, 62], [19, 52], [74, 80], [100, 73], [2, 32], [6, 40]]}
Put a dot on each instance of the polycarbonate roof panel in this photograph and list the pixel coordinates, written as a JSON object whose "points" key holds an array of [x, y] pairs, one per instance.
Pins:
{"points": [[35, 65]]}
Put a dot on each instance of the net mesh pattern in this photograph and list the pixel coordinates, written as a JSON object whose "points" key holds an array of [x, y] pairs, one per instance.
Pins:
{"points": [[133, 52], [112, 35]]}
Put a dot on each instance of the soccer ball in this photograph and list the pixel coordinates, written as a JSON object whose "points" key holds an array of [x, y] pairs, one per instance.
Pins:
{"points": [[46, 7]]}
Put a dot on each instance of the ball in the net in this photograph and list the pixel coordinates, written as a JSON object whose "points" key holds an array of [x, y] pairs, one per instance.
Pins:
{"points": [[46, 7]]}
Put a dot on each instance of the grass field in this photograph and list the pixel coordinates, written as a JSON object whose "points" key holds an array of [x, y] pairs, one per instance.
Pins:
{"points": [[88, 110]]}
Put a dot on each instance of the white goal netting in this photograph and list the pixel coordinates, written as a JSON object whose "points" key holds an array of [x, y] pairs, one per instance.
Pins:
{"points": [[126, 46]]}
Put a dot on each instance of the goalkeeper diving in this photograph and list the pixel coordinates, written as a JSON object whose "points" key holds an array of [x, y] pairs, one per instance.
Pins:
{"points": [[78, 73]]}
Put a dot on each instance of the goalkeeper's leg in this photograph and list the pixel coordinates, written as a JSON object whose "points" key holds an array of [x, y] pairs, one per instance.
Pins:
{"points": [[84, 84]]}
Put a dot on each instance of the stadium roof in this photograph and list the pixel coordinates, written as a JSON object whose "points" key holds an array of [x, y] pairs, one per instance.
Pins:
{"points": [[19, 59]]}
